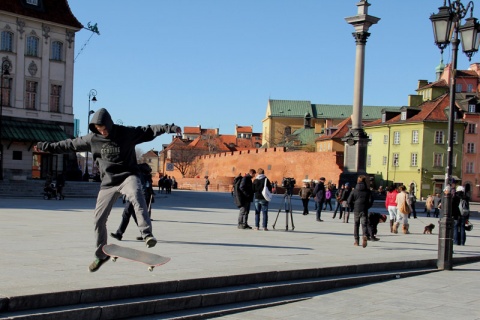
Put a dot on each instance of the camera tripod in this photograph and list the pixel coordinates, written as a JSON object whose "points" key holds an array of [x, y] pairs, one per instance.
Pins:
{"points": [[287, 204]]}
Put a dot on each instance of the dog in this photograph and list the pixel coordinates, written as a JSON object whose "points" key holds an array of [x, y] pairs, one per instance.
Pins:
{"points": [[429, 228]]}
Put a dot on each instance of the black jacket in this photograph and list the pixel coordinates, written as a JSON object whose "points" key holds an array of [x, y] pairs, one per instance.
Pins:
{"points": [[360, 199], [319, 192], [258, 186], [115, 154], [245, 189]]}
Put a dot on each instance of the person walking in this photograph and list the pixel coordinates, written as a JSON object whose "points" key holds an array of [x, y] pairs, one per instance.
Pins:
{"points": [[243, 197], [343, 202], [328, 196], [437, 201], [413, 200], [391, 205], [429, 205], [338, 207], [261, 204], [319, 197], [403, 209], [360, 199], [305, 194], [459, 215], [207, 183], [113, 150]]}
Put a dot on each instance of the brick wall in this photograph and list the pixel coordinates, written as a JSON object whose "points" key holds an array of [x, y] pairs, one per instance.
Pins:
{"points": [[222, 168]]}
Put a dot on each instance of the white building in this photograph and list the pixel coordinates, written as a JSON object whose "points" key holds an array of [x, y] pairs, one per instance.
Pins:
{"points": [[37, 53]]}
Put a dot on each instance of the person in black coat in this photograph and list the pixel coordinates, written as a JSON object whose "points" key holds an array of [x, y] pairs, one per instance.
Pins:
{"points": [[360, 199], [319, 197], [459, 235], [243, 197]]}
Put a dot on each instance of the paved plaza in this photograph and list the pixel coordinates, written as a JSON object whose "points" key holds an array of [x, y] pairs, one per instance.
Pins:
{"points": [[46, 246]]}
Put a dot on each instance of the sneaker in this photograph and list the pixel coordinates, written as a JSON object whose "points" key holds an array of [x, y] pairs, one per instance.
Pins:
{"points": [[116, 236], [364, 242], [256, 228], [375, 238], [150, 241], [355, 243], [139, 238], [241, 226], [264, 229], [247, 226], [97, 263]]}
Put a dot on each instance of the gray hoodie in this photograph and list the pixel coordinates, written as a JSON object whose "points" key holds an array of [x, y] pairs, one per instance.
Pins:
{"points": [[115, 154]]}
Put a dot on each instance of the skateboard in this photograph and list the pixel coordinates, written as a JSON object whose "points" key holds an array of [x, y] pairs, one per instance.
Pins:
{"points": [[150, 259]]}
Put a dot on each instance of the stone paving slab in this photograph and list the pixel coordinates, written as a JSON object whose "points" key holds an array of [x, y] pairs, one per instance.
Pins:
{"points": [[46, 245]]}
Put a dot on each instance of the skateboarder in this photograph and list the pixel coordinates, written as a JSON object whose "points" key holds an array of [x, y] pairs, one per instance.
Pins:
{"points": [[113, 150]]}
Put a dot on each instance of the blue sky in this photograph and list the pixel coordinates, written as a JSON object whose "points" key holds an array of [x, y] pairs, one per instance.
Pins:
{"points": [[215, 63]]}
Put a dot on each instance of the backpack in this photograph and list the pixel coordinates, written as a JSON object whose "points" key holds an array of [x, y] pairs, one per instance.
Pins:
{"points": [[463, 206], [237, 197]]}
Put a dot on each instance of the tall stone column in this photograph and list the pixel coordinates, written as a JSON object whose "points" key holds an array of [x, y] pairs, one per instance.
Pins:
{"points": [[356, 140]]}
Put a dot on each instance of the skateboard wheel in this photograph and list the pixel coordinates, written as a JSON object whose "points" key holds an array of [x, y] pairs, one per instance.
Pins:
{"points": [[114, 259], [150, 269]]}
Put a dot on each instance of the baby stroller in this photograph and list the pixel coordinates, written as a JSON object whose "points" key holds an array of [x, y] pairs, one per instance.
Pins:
{"points": [[50, 191]]}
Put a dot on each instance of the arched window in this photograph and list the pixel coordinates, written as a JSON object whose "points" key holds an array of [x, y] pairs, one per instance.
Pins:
{"points": [[57, 51], [7, 41], [32, 46]]}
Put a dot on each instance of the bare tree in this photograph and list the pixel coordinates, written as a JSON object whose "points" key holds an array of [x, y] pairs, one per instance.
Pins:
{"points": [[185, 159]]}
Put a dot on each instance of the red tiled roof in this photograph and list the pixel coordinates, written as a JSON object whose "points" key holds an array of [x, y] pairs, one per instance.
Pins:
{"points": [[194, 130], [342, 129], [244, 129], [440, 83], [57, 11]]}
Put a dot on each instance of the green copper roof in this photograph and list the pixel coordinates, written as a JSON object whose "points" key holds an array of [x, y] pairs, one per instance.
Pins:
{"points": [[298, 109], [31, 132]]}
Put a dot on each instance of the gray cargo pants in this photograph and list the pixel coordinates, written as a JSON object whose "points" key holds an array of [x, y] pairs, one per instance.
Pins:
{"points": [[132, 189]]}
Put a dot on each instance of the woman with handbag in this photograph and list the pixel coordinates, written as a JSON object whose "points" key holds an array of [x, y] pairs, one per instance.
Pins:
{"points": [[262, 190], [403, 210]]}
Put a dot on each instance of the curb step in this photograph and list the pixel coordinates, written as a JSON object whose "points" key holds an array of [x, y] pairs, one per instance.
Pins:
{"points": [[199, 304]]}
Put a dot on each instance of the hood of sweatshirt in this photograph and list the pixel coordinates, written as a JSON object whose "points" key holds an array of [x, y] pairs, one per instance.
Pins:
{"points": [[101, 118]]}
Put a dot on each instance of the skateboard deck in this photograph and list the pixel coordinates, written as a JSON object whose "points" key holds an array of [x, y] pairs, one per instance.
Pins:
{"points": [[150, 259]]}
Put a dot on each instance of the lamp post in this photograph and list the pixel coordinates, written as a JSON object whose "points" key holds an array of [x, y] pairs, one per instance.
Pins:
{"points": [[446, 27], [355, 159], [92, 96], [3, 73]]}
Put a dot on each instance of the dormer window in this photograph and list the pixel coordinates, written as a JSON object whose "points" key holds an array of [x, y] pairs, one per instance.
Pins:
{"points": [[403, 115], [471, 108], [33, 2], [384, 117]]}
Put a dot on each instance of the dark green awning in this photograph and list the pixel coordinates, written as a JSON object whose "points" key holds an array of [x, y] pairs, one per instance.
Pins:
{"points": [[31, 131]]}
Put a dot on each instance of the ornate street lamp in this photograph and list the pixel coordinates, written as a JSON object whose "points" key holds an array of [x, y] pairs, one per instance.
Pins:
{"points": [[4, 73], [92, 97], [446, 24]]}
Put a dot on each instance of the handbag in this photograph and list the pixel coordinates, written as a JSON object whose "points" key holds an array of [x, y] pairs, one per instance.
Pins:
{"points": [[468, 226], [266, 193]]}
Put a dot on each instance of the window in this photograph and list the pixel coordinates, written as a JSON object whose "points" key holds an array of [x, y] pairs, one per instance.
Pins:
{"points": [[471, 108], [414, 160], [7, 41], [470, 167], [470, 147], [369, 160], [384, 161], [55, 93], [17, 155], [414, 136], [470, 87], [370, 139], [458, 87], [385, 139], [472, 128], [6, 91], [33, 2], [438, 159], [395, 159], [57, 50], [31, 95], [455, 137], [403, 115], [384, 117], [396, 137], [32, 46], [439, 137]]}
